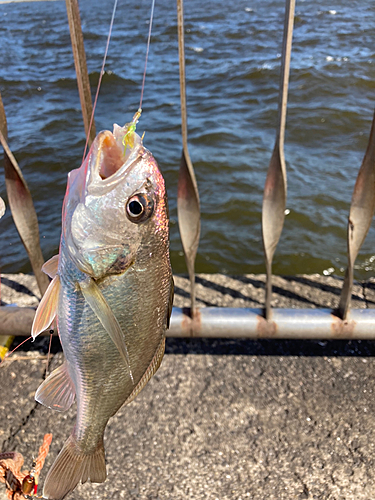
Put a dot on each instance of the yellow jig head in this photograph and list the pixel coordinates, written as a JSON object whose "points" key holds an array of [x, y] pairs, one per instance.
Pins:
{"points": [[128, 139]]}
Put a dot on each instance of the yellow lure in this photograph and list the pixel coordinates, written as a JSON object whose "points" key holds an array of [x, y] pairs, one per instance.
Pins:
{"points": [[128, 139], [5, 343]]}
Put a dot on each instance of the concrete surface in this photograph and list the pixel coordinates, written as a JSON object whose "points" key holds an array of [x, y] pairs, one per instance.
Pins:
{"points": [[228, 419]]}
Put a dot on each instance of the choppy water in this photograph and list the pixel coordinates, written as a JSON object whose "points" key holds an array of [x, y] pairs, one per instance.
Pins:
{"points": [[233, 60]]}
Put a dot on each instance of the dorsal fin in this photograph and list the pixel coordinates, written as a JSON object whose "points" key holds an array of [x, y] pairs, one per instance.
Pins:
{"points": [[47, 308], [50, 267]]}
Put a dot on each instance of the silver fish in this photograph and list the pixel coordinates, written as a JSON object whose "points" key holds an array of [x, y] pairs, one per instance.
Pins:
{"points": [[112, 293]]}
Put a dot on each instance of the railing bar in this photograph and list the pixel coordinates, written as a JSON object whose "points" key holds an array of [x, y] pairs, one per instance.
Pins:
{"points": [[181, 50], [22, 207], [275, 189], [79, 55], [237, 323], [188, 206], [285, 69], [360, 217]]}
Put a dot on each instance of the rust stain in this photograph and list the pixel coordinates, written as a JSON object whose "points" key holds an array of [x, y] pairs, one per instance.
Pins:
{"points": [[342, 329], [196, 324], [191, 327], [266, 328], [186, 325]]}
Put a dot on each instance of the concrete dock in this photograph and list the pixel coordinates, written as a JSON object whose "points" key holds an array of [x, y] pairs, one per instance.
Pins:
{"points": [[221, 419]]}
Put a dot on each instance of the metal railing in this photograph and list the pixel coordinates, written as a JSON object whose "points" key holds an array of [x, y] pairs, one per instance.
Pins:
{"points": [[214, 322]]}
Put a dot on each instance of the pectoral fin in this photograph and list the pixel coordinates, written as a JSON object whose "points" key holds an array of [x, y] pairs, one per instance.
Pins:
{"points": [[99, 305], [47, 308], [57, 391], [50, 267]]}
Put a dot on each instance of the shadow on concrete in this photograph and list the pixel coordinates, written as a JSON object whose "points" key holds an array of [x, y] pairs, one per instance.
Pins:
{"points": [[186, 295], [321, 286], [267, 347], [226, 290], [18, 287], [237, 347]]}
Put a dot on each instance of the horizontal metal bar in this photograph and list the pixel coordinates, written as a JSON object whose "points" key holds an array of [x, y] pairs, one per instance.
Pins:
{"points": [[216, 322], [16, 321], [219, 322]]}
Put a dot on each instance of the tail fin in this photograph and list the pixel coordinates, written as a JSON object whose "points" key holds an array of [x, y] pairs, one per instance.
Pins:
{"points": [[71, 467]]}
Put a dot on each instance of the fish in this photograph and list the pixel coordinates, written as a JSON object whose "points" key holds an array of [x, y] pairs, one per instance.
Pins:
{"points": [[111, 294]]}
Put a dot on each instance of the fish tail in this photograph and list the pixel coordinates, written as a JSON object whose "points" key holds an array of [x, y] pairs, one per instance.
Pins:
{"points": [[72, 466]]}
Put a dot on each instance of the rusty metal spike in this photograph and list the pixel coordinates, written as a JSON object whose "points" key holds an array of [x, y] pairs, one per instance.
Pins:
{"points": [[275, 189], [360, 217], [83, 81], [22, 207], [187, 194]]}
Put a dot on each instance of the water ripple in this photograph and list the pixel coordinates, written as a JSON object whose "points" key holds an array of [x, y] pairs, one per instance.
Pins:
{"points": [[233, 61]]}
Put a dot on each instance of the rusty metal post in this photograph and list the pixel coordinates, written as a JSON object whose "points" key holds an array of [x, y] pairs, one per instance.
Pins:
{"points": [[274, 198], [187, 196], [79, 55], [360, 217], [22, 206]]}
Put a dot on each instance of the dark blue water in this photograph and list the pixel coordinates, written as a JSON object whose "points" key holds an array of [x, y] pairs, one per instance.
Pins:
{"points": [[233, 62]]}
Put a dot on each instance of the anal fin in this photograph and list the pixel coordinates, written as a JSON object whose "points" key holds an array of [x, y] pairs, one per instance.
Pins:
{"points": [[57, 391], [149, 373]]}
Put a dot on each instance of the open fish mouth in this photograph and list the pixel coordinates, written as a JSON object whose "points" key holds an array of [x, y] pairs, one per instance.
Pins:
{"points": [[112, 156], [115, 153]]}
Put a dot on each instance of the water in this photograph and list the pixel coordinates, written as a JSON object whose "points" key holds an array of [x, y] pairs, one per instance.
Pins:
{"points": [[233, 63]]}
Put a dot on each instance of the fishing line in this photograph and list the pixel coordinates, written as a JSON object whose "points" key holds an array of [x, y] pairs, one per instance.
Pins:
{"points": [[11, 352], [100, 76], [147, 51], [138, 114], [51, 332]]}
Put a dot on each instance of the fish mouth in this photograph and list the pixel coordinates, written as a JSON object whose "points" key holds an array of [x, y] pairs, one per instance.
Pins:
{"points": [[110, 154], [116, 153]]}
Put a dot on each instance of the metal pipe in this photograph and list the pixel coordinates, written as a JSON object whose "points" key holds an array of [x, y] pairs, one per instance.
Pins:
{"points": [[217, 322], [220, 322], [16, 321]]}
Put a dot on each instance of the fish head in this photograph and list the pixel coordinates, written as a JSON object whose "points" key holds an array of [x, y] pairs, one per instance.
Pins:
{"points": [[115, 205]]}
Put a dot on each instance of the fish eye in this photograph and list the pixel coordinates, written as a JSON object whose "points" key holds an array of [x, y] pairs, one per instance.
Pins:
{"points": [[139, 208]]}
